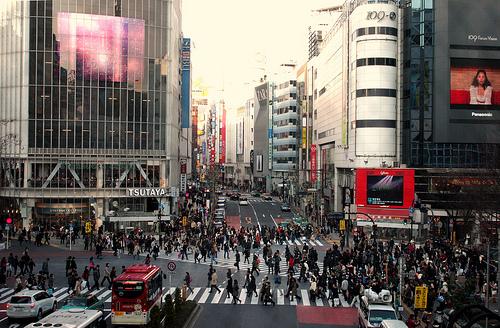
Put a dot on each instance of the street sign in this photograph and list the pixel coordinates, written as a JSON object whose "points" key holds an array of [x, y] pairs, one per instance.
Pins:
{"points": [[421, 297], [7, 227], [71, 227], [171, 266], [342, 225], [411, 210], [88, 227]]}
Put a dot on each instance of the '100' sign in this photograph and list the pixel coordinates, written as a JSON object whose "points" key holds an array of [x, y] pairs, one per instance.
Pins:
{"points": [[380, 15]]}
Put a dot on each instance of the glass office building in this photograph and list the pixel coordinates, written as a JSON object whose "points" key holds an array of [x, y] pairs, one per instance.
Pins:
{"points": [[89, 110]]}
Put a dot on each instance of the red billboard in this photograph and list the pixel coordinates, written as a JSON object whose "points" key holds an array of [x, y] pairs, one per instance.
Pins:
{"points": [[222, 138], [388, 188], [314, 166]]}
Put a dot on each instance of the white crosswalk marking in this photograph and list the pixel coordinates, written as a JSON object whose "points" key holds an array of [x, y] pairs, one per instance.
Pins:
{"points": [[255, 299], [3, 290], [193, 294], [59, 292], [243, 295], [280, 296], [104, 295], [290, 242], [305, 297], [319, 243], [217, 296], [229, 299], [204, 297], [294, 302], [297, 242]]}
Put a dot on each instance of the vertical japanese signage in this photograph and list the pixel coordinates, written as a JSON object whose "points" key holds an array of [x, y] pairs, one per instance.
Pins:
{"points": [[239, 137], [186, 82], [270, 127], [421, 297], [222, 137], [314, 166], [304, 133]]}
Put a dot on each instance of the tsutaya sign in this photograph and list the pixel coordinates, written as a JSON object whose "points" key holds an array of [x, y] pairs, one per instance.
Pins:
{"points": [[148, 192]]}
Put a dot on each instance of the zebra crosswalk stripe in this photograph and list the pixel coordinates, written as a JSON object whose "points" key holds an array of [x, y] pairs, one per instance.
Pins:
{"points": [[305, 297], [104, 295], [204, 296], [217, 296], [193, 294], [255, 299], [243, 295], [280, 296]]}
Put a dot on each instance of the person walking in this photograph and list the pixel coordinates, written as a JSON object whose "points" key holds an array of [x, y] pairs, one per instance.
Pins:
{"points": [[229, 287], [96, 274], [187, 281], [45, 267], [237, 263], [236, 290], [106, 275], [213, 281]]}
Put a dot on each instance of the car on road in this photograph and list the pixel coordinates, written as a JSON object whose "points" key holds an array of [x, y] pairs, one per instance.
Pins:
{"points": [[243, 202], [89, 302], [30, 304], [255, 194], [285, 208], [235, 196], [267, 197]]}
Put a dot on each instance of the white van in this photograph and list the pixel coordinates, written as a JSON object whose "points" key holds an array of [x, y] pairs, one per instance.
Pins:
{"points": [[393, 324]]}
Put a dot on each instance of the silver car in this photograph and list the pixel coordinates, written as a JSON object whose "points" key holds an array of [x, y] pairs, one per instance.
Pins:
{"points": [[30, 304]]}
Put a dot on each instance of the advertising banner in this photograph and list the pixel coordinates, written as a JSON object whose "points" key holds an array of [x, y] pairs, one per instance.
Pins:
{"points": [[186, 83], [389, 188], [313, 164], [240, 134], [222, 138]]}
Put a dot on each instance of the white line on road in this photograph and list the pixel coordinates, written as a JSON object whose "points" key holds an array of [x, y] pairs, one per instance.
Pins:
{"points": [[297, 242], [217, 297], [204, 296], [193, 294], [243, 295], [319, 243], [305, 297], [104, 295], [109, 315], [273, 220], [255, 299], [256, 217], [228, 299], [280, 297]]}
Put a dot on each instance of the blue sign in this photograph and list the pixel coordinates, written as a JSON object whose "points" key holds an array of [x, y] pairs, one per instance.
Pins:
{"points": [[186, 83], [411, 210]]}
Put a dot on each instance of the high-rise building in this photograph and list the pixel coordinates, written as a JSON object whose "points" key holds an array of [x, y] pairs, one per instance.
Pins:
{"points": [[90, 111]]}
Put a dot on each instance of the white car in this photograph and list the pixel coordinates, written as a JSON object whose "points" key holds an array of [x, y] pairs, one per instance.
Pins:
{"points": [[243, 202], [30, 304]]}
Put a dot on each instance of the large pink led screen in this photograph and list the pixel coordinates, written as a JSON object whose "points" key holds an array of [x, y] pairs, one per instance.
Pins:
{"points": [[104, 48]]}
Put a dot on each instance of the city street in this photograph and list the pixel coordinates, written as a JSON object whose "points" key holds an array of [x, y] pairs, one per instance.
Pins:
{"points": [[258, 212]]}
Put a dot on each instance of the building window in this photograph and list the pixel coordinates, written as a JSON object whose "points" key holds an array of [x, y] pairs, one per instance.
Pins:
{"points": [[376, 93], [383, 30], [376, 61]]}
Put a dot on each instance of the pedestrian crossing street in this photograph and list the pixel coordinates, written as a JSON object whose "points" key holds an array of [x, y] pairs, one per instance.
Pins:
{"points": [[200, 295], [229, 264]]}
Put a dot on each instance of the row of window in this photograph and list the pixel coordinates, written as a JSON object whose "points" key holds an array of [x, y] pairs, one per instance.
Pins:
{"points": [[384, 30], [289, 109], [376, 92], [285, 135], [379, 61], [285, 122]]}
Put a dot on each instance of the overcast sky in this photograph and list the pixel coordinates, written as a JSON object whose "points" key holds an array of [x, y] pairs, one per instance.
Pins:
{"points": [[236, 41]]}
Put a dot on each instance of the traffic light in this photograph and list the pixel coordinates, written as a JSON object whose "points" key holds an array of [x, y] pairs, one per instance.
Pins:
{"points": [[8, 220]]}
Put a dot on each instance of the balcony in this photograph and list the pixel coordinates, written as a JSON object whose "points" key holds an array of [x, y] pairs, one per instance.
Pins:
{"points": [[284, 166], [285, 128], [284, 153], [286, 103], [284, 141], [290, 115]]}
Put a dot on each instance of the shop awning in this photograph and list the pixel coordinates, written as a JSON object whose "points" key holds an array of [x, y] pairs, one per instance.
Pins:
{"points": [[385, 224]]}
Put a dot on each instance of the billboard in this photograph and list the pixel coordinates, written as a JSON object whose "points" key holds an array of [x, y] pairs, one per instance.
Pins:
{"points": [[474, 84], [240, 137], [465, 73], [104, 48], [222, 138], [186, 83], [391, 188], [314, 166]]}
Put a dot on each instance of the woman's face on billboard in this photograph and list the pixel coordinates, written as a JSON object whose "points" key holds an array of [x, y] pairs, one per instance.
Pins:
{"points": [[481, 78]]}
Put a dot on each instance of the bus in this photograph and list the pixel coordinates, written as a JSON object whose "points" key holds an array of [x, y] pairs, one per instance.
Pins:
{"points": [[135, 292], [74, 318]]}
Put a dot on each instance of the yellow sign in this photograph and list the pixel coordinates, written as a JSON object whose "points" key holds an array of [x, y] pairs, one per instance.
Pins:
{"points": [[342, 225], [88, 227], [304, 138], [184, 221], [421, 297]]}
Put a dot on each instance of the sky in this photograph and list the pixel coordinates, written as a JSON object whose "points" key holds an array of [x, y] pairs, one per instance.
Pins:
{"points": [[234, 42]]}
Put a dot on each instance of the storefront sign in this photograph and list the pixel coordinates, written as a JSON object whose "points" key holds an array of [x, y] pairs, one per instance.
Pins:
{"points": [[313, 164], [183, 182], [421, 297], [148, 192]]}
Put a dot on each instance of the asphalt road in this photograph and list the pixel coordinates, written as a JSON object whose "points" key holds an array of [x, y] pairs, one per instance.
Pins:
{"points": [[258, 212]]}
